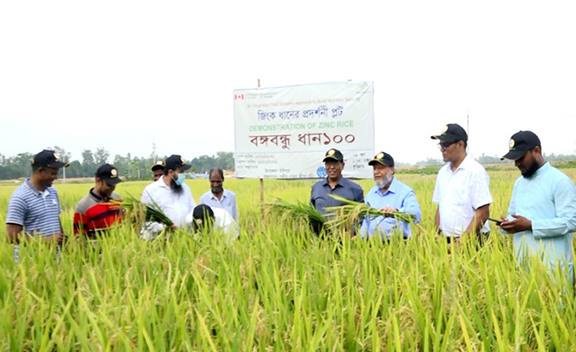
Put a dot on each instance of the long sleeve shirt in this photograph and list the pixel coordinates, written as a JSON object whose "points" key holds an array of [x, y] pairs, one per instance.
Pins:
{"points": [[548, 199], [399, 196]]}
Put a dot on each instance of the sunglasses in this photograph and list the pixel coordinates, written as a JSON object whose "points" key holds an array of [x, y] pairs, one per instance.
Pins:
{"points": [[445, 145]]}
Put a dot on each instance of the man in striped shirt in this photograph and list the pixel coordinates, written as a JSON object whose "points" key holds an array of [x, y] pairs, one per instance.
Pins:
{"points": [[100, 208], [34, 208]]}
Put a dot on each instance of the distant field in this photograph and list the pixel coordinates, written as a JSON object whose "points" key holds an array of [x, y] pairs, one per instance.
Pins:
{"points": [[278, 287]]}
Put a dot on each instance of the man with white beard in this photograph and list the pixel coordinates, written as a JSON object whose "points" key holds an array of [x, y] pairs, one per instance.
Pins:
{"points": [[389, 196]]}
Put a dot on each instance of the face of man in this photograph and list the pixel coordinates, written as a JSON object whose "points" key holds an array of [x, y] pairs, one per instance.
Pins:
{"points": [[47, 176], [216, 183], [157, 174], [451, 150], [103, 189], [334, 170], [527, 164], [175, 187], [382, 175]]}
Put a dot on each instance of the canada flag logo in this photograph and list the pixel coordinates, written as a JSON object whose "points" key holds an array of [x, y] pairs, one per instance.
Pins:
{"points": [[238, 96]]}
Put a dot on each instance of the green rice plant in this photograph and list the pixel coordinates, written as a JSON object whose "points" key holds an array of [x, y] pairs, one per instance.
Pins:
{"points": [[278, 287], [298, 210], [138, 212], [345, 216]]}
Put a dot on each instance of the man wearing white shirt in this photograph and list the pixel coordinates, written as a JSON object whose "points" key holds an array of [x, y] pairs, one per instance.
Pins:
{"points": [[171, 195], [462, 189], [205, 218], [217, 196]]}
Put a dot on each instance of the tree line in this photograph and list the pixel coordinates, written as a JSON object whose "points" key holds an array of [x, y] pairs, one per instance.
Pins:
{"points": [[129, 167]]}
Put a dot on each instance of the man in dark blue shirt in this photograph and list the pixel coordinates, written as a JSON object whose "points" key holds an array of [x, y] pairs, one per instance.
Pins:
{"points": [[334, 184]]}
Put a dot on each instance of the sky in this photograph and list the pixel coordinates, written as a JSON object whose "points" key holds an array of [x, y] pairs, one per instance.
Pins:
{"points": [[127, 75]]}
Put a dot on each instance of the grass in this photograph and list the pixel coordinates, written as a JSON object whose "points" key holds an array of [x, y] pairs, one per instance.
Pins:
{"points": [[280, 288]]}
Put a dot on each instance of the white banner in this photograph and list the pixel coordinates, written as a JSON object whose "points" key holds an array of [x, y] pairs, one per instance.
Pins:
{"points": [[284, 132]]}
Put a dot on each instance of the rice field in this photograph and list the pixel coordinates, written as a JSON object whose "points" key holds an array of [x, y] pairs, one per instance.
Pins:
{"points": [[279, 288]]}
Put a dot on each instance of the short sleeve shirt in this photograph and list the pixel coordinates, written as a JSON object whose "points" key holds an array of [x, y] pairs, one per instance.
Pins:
{"points": [[37, 212], [459, 194]]}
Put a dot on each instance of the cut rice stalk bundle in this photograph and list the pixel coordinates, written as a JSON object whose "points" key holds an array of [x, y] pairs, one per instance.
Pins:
{"points": [[138, 212], [299, 210], [351, 212]]}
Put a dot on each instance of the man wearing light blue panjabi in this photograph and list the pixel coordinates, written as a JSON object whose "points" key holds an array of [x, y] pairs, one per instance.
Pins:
{"points": [[542, 211]]}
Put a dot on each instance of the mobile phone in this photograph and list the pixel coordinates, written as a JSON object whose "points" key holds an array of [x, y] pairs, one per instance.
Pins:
{"points": [[498, 222]]}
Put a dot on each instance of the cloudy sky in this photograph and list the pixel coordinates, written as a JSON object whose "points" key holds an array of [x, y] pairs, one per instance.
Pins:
{"points": [[124, 75]]}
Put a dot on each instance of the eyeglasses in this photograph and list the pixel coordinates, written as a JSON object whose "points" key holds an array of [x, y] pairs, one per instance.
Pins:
{"points": [[445, 145]]}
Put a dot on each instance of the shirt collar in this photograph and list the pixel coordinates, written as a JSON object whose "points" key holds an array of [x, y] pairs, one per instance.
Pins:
{"points": [[96, 197], [391, 189], [34, 190], [465, 162], [542, 169], [213, 196], [340, 182]]}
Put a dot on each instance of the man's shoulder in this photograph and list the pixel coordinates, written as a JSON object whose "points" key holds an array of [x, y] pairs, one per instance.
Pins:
{"points": [[206, 195], [473, 165], [349, 183], [20, 191], [229, 193], [319, 184], [559, 175], [83, 204], [401, 186]]}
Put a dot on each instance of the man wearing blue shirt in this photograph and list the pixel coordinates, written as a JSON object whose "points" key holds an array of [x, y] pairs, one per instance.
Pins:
{"points": [[542, 211], [388, 195], [218, 196], [334, 183], [34, 208]]}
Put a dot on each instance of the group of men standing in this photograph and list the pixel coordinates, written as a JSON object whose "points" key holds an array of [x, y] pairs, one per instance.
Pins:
{"points": [[34, 207], [541, 215]]}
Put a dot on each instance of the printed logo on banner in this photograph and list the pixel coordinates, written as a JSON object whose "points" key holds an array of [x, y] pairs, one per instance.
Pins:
{"points": [[321, 172], [238, 96]]}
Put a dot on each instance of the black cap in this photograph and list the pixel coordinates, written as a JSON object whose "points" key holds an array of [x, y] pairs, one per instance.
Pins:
{"points": [[108, 174], [202, 211], [159, 165], [452, 132], [382, 158], [49, 159], [520, 143], [174, 162], [333, 154]]}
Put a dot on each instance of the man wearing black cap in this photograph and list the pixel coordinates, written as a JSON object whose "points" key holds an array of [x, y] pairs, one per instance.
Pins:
{"points": [[205, 219], [462, 189], [157, 169], [34, 208], [542, 210], [100, 208], [389, 195], [334, 184], [171, 194]]}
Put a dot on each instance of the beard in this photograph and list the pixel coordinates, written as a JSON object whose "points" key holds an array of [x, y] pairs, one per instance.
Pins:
{"points": [[384, 181], [531, 170], [177, 189]]}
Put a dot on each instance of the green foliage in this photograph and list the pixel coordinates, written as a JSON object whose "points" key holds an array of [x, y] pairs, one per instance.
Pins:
{"points": [[279, 287]]}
